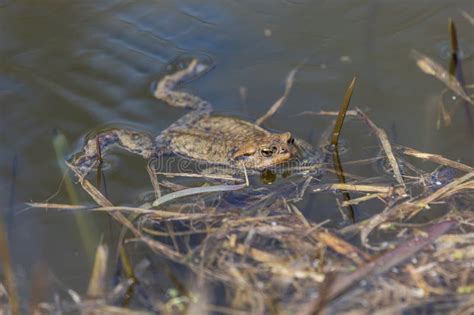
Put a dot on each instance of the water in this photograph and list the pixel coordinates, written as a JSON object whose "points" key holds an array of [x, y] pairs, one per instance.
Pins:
{"points": [[78, 65]]}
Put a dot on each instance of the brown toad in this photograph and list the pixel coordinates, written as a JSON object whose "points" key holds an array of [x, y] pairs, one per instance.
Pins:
{"points": [[198, 135]]}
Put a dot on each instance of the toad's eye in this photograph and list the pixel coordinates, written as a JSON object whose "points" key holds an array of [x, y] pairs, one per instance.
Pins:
{"points": [[266, 152], [291, 140]]}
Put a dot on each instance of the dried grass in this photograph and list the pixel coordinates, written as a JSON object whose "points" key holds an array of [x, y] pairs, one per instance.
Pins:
{"points": [[265, 256]]}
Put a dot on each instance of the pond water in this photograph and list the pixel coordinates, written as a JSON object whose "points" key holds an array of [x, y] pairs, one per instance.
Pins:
{"points": [[74, 66]]}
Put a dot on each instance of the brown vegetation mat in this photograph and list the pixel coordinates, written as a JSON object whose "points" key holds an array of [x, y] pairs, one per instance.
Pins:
{"points": [[264, 256], [233, 249]]}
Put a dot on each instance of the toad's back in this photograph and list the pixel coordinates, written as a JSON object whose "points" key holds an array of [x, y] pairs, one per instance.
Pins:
{"points": [[214, 138]]}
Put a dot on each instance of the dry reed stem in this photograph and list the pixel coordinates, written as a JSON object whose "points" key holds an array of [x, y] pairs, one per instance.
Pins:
{"points": [[414, 205], [439, 159], [293, 273], [359, 200], [387, 147], [342, 247], [431, 67], [381, 189], [104, 202], [279, 103], [196, 175], [456, 186], [325, 113], [59, 206], [300, 215], [157, 214], [381, 264], [184, 233], [100, 199], [468, 17], [277, 265], [254, 253]]}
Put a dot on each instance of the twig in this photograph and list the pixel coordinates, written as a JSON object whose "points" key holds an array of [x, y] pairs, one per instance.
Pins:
{"points": [[101, 200], [104, 202], [366, 188], [431, 67], [256, 254], [279, 103], [438, 159], [157, 214], [468, 17], [342, 247], [196, 175], [324, 113], [367, 197], [411, 207], [387, 147]]}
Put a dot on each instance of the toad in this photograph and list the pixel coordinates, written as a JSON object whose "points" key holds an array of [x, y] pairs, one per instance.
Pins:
{"points": [[199, 135]]}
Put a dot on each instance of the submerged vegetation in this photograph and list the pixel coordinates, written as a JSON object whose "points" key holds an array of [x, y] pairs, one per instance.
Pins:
{"points": [[234, 249]]}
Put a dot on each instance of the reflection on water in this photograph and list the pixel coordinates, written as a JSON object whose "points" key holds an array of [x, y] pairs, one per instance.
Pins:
{"points": [[78, 65]]}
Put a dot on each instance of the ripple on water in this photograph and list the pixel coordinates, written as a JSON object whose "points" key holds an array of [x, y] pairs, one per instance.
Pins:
{"points": [[444, 50]]}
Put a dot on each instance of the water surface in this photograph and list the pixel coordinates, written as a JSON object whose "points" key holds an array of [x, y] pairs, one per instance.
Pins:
{"points": [[77, 65]]}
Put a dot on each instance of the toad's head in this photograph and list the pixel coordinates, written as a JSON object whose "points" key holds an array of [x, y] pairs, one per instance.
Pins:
{"points": [[266, 152]]}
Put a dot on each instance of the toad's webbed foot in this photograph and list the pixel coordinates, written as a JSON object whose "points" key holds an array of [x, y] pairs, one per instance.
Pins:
{"points": [[96, 147]]}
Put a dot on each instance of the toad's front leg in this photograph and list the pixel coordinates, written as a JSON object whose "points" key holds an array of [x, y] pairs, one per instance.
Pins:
{"points": [[96, 147]]}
